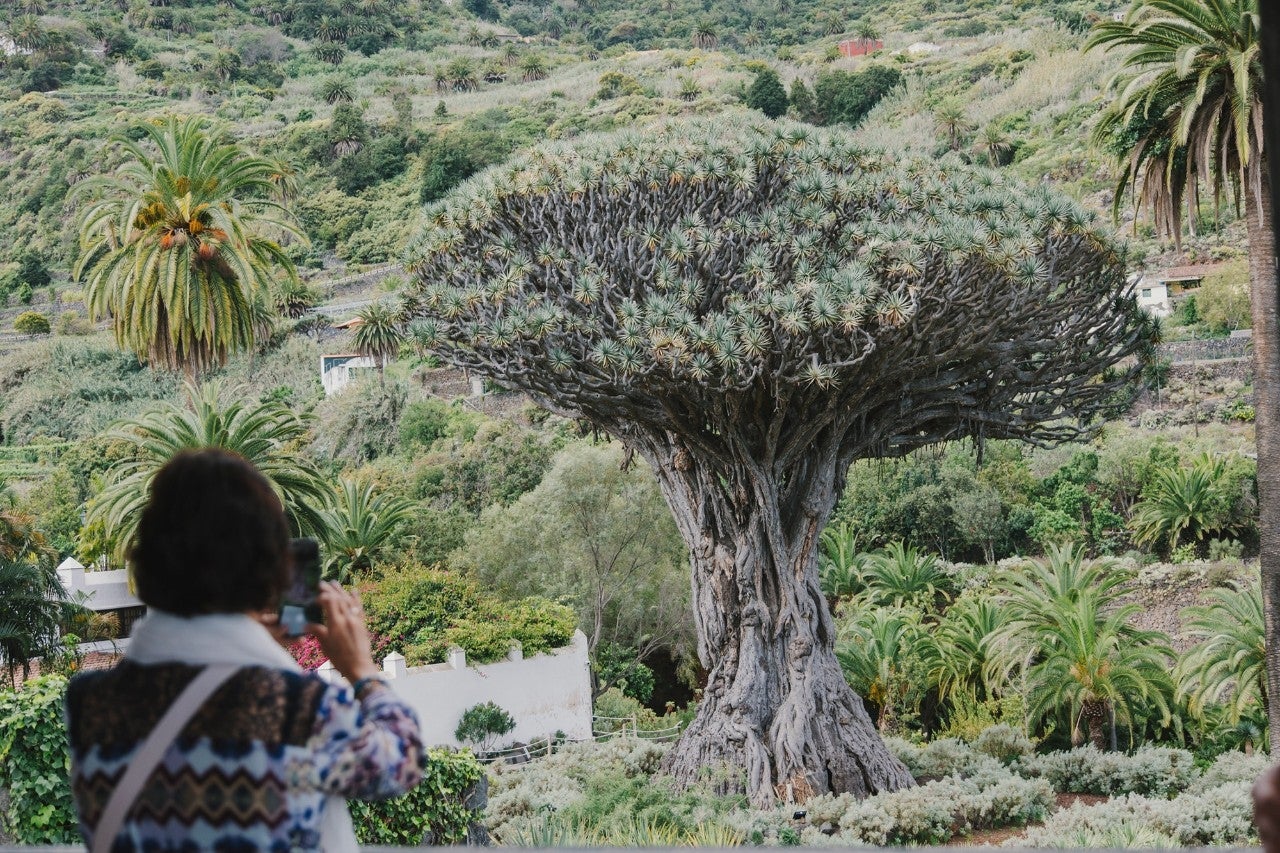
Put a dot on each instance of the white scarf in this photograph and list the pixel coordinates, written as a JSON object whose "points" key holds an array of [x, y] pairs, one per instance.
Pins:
{"points": [[232, 638]]}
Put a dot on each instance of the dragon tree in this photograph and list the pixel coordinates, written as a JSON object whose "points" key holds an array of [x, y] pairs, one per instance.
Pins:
{"points": [[751, 307]]}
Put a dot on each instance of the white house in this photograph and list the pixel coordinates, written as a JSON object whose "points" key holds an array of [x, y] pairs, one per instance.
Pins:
{"points": [[1153, 297], [336, 369], [102, 592], [1159, 294]]}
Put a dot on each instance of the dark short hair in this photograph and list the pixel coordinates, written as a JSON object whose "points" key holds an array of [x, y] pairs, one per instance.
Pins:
{"points": [[212, 539]]}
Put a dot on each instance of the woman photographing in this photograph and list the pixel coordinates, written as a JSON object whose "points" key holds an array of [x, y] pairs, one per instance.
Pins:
{"points": [[208, 734]]}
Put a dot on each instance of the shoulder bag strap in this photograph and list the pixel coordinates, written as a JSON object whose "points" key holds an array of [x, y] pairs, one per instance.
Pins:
{"points": [[152, 751]]}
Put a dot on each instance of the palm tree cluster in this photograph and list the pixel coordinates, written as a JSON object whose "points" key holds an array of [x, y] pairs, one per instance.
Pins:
{"points": [[1056, 635], [1189, 114]]}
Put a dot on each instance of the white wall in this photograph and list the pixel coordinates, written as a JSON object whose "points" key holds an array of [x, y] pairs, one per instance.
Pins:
{"points": [[545, 693]]}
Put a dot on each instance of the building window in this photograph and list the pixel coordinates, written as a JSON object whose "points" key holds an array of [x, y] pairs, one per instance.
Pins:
{"points": [[1146, 293]]}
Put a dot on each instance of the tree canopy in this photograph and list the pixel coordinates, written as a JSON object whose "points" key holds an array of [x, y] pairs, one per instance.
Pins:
{"points": [[666, 280]]}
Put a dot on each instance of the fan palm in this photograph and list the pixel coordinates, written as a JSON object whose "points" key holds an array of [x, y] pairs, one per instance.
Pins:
{"points": [[357, 528], [172, 248], [264, 434], [1229, 664], [1074, 647], [1190, 112]]}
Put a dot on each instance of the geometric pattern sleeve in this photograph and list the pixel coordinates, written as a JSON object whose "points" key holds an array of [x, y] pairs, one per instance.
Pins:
{"points": [[369, 749]]}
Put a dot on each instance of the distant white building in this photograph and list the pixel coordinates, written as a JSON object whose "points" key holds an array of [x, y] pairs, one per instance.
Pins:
{"points": [[102, 592], [1160, 294], [336, 369], [9, 48]]}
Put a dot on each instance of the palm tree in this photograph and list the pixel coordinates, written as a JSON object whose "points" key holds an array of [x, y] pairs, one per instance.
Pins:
{"points": [[1190, 112], [876, 651], [35, 602], [293, 298], [379, 334], [1073, 645], [265, 434], [173, 248], [335, 90], [951, 121], [867, 32], [357, 529], [704, 36], [461, 74], [994, 143], [1179, 501], [28, 33], [901, 576], [956, 653], [1229, 664], [532, 68], [840, 564]]}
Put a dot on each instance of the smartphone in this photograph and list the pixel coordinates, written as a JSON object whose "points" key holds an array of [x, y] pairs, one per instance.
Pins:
{"points": [[299, 605]]}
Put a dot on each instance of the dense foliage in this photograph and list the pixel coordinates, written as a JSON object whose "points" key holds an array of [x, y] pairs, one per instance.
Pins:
{"points": [[439, 811], [35, 764], [424, 612]]}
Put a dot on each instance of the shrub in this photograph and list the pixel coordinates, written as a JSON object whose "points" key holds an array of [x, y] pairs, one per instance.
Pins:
{"points": [[71, 323], [31, 323], [423, 612], [483, 724], [1220, 816], [1158, 771], [1003, 743], [437, 812], [35, 764]]}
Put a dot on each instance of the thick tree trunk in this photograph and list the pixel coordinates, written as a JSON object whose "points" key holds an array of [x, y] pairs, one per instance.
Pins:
{"points": [[776, 704], [1263, 243], [1266, 369]]}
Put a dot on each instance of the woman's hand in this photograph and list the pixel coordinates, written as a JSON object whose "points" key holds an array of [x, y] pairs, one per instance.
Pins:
{"points": [[343, 636]]}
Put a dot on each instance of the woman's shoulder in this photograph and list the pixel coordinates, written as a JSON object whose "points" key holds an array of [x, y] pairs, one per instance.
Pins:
{"points": [[256, 703]]}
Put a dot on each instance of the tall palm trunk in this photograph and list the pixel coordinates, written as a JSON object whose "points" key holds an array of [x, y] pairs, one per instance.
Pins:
{"points": [[1266, 383]]}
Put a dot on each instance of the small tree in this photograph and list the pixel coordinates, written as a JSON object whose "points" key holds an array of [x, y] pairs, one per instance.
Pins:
{"points": [[750, 309], [482, 725], [767, 94], [31, 323]]}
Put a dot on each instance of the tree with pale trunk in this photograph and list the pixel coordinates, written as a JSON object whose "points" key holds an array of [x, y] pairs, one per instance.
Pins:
{"points": [[750, 306], [1189, 116]]}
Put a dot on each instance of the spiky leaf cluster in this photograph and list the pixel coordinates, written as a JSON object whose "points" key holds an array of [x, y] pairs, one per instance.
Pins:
{"points": [[678, 278]]}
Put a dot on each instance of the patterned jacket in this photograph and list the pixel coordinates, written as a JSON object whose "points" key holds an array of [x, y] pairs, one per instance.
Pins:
{"points": [[252, 769]]}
